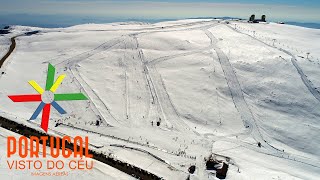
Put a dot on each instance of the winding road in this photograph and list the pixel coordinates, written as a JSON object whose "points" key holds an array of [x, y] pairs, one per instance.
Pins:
{"points": [[160, 101], [11, 48], [131, 169]]}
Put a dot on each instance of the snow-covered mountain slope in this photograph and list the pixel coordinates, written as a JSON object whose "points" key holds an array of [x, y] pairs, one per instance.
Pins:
{"points": [[4, 46], [170, 94]]}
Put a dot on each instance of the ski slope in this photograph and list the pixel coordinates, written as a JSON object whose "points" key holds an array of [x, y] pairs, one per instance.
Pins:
{"points": [[170, 94]]}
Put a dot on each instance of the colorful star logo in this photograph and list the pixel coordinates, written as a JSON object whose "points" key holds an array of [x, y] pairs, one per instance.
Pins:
{"points": [[47, 97]]}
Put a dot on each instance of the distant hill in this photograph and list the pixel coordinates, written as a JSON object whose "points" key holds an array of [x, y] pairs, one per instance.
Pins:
{"points": [[308, 25]]}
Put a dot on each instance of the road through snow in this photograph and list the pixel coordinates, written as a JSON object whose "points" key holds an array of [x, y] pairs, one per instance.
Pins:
{"points": [[135, 78]]}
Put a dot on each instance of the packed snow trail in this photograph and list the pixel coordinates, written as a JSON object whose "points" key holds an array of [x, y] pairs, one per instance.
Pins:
{"points": [[146, 152], [95, 99], [167, 28], [303, 77], [137, 98], [119, 139], [165, 109], [159, 96], [70, 63], [158, 90], [165, 58], [130, 169], [246, 113], [234, 87], [85, 55], [155, 104], [238, 98]]}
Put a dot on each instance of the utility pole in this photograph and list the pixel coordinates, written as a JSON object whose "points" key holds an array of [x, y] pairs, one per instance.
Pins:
{"points": [[274, 40]]}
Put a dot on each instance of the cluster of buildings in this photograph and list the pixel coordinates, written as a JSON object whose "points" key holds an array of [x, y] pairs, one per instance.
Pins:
{"points": [[253, 19]]}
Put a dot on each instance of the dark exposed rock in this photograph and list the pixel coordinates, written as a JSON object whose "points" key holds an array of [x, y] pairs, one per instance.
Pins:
{"points": [[221, 171], [4, 31], [192, 169], [31, 33]]}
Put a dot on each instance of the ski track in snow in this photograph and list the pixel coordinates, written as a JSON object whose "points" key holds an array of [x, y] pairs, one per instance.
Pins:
{"points": [[70, 64], [303, 77], [123, 141], [246, 113], [160, 97], [234, 86], [158, 101]]}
